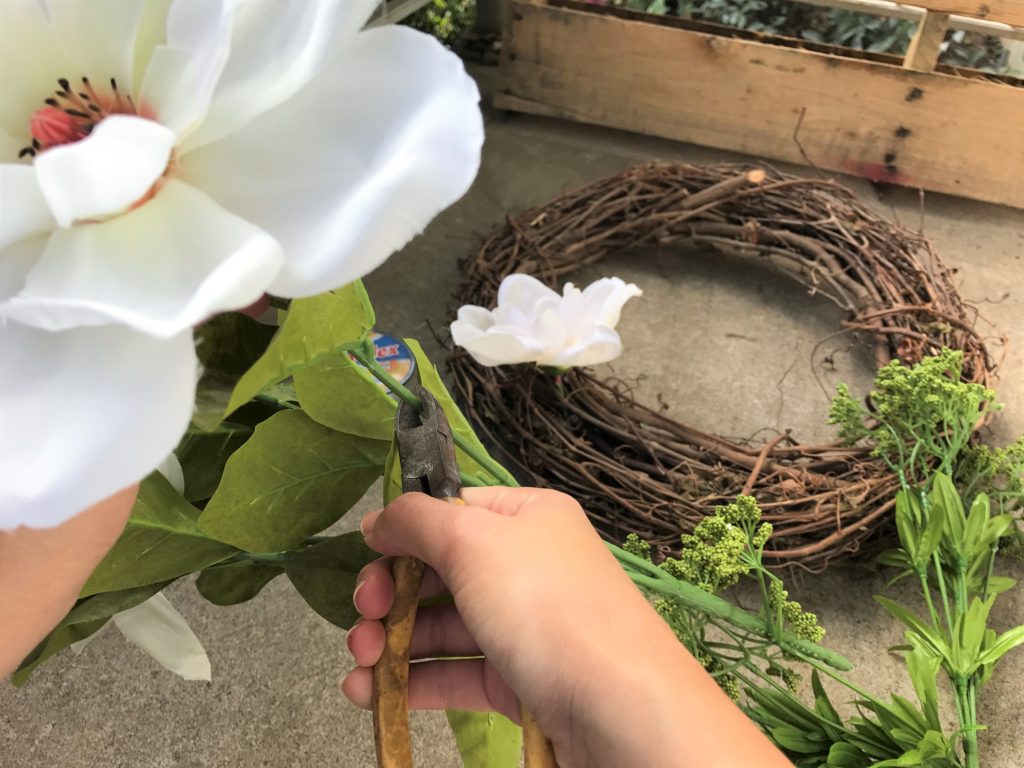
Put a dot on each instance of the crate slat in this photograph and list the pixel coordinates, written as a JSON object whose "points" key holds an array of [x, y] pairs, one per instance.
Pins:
{"points": [[1006, 11], [921, 129]]}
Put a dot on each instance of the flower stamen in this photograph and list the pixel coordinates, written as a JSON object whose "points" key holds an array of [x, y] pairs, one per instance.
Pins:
{"points": [[69, 116]]}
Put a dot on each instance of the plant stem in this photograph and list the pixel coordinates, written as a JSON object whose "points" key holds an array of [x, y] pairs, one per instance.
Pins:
{"points": [[478, 455], [648, 576]]}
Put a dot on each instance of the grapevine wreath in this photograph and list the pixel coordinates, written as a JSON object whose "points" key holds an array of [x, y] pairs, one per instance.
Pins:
{"points": [[634, 469]]}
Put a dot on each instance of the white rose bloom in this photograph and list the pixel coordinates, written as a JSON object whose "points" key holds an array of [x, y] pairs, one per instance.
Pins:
{"points": [[164, 161], [533, 324]]}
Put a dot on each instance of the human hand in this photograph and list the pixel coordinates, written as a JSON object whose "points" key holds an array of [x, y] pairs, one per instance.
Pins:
{"points": [[562, 628], [42, 570]]}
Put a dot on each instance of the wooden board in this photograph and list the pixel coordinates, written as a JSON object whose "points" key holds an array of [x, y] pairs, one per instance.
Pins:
{"points": [[921, 129], [1007, 11]]}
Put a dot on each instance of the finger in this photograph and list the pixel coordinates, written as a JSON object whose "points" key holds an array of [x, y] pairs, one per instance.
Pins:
{"points": [[439, 631], [512, 501], [365, 642], [375, 588], [473, 685], [414, 524]]}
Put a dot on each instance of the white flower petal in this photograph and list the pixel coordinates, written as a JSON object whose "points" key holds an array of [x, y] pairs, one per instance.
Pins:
{"points": [[356, 164], [522, 292], [85, 413], [603, 346], [162, 268], [182, 73], [277, 46], [31, 60], [23, 210], [170, 468], [158, 629], [15, 264], [105, 173], [495, 348], [98, 37], [475, 316], [607, 296]]}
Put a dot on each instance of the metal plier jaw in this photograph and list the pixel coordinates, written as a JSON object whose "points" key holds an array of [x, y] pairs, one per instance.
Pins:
{"points": [[426, 449]]}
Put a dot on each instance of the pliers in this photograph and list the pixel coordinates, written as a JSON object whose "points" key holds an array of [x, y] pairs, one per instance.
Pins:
{"points": [[427, 454]]}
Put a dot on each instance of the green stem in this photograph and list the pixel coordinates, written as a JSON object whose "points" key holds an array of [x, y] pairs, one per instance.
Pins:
{"points": [[927, 592], [840, 679], [648, 576], [501, 474]]}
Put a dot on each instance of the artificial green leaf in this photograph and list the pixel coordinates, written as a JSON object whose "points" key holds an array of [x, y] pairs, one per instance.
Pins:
{"points": [[934, 641], [821, 701], [231, 342], [1003, 644], [392, 475], [976, 520], [315, 329], [85, 618], [161, 541], [945, 499], [325, 575], [909, 759], [293, 478], [841, 755], [486, 739], [213, 393], [796, 740], [968, 634], [341, 394], [235, 583], [929, 538], [204, 454], [923, 668]]}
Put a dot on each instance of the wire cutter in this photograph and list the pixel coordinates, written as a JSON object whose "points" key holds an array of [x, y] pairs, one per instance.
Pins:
{"points": [[426, 452]]}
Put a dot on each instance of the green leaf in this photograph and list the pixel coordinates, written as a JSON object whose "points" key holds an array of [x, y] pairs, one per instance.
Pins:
{"points": [[796, 740], [235, 583], [841, 755], [315, 329], [1003, 644], [203, 456], [486, 739], [341, 394], [161, 541], [292, 479], [231, 342], [934, 641], [923, 668], [85, 618], [976, 520], [325, 575], [945, 499], [392, 475]]}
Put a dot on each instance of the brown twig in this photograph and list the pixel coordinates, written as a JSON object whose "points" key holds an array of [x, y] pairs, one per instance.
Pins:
{"points": [[634, 469]]}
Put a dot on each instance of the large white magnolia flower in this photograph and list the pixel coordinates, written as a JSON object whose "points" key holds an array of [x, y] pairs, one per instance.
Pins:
{"points": [[163, 161], [533, 324]]}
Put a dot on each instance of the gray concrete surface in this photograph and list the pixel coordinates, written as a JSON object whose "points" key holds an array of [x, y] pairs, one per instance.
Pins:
{"points": [[729, 348]]}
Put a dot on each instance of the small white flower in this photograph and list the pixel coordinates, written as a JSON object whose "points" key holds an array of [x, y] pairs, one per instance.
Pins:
{"points": [[533, 324], [165, 160]]}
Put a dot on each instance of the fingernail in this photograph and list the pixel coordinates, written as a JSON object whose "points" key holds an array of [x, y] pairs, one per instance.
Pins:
{"points": [[366, 524], [355, 592], [348, 635]]}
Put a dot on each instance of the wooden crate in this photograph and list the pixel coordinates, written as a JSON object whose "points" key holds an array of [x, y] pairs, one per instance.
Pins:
{"points": [[900, 121]]}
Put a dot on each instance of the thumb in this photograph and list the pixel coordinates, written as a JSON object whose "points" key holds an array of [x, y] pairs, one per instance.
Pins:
{"points": [[418, 525]]}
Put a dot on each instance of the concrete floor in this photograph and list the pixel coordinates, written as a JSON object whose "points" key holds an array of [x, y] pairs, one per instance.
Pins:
{"points": [[699, 335]]}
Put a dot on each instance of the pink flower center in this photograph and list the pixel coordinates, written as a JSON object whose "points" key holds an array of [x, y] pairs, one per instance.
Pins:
{"points": [[70, 114]]}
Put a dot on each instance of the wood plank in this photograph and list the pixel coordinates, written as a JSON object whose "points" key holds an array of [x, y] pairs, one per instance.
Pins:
{"points": [[1007, 11], [883, 122], [923, 53]]}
